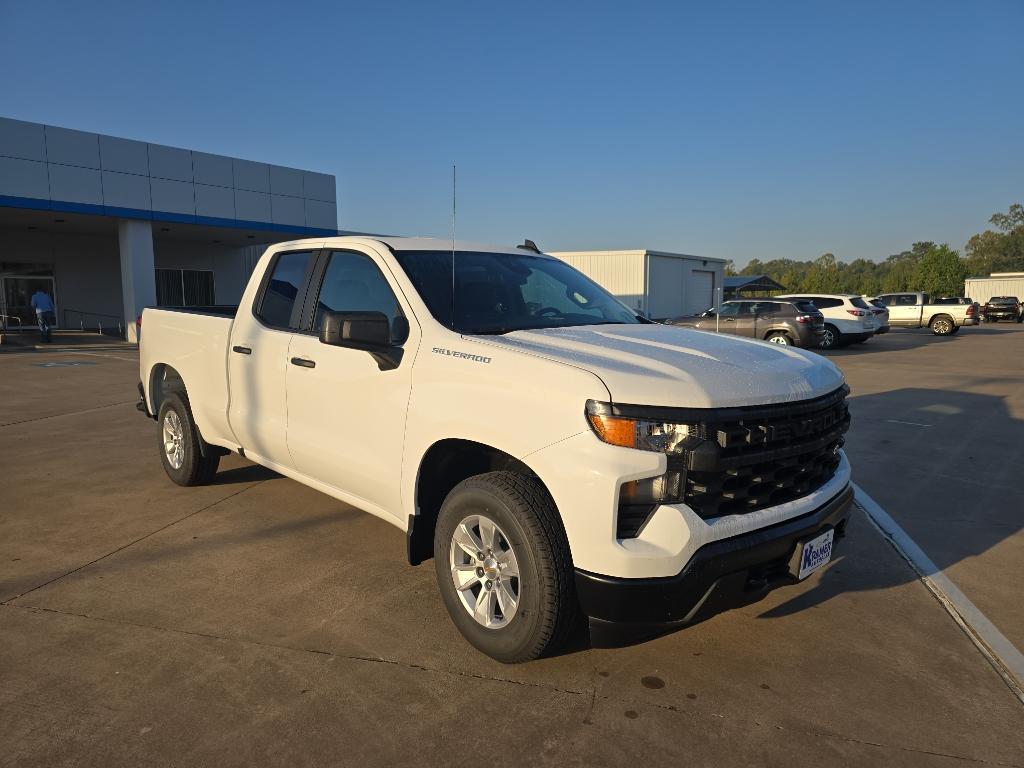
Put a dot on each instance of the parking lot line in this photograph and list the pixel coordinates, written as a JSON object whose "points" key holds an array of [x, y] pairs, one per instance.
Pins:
{"points": [[1004, 656]]}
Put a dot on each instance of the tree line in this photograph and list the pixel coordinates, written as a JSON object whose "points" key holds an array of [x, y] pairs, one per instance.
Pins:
{"points": [[934, 268]]}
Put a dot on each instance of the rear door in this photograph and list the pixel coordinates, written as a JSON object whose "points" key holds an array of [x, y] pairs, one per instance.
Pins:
{"points": [[346, 417], [258, 357]]}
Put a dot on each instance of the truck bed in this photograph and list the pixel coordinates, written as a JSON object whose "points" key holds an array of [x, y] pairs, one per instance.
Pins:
{"points": [[193, 342]]}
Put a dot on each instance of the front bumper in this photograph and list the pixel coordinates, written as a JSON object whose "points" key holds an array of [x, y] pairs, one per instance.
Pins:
{"points": [[720, 574]]}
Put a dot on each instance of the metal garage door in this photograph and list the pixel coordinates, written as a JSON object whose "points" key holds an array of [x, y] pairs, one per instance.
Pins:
{"points": [[700, 291]]}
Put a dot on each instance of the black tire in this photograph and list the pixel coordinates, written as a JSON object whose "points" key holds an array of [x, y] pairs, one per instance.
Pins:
{"points": [[942, 325], [195, 468], [526, 515], [832, 338], [779, 337]]}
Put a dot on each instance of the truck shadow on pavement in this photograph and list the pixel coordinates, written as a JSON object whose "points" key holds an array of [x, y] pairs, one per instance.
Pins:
{"points": [[942, 464]]}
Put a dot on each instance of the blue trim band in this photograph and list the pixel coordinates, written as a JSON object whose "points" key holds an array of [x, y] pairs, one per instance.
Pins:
{"points": [[37, 204]]}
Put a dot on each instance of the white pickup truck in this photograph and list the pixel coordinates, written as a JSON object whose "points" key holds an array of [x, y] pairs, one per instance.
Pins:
{"points": [[555, 454], [915, 310]]}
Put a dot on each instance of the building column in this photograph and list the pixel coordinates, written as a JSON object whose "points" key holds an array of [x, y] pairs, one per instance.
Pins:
{"points": [[138, 273]]}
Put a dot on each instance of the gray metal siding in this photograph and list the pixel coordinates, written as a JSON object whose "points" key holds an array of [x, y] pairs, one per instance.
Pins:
{"points": [[981, 289]]}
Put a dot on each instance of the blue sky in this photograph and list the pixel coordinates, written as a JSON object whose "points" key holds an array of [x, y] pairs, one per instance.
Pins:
{"points": [[783, 129]]}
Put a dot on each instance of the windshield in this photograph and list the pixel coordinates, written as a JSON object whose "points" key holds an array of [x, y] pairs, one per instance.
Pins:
{"points": [[502, 292]]}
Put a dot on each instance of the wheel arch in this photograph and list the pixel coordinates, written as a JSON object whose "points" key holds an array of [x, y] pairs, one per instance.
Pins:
{"points": [[444, 465], [937, 315], [163, 379]]}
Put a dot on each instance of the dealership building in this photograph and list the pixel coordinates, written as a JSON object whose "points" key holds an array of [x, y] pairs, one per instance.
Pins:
{"points": [[109, 225]]}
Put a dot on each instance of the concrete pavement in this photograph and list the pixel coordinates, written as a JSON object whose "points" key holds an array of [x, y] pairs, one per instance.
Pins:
{"points": [[256, 622]]}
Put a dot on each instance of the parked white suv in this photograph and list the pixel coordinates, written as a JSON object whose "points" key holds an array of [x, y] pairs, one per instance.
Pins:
{"points": [[848, 318], [553, 452]]}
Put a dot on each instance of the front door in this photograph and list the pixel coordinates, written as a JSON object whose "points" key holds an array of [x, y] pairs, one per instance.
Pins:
{"points": [[903, 309], [346, 417], [258, 358], [16, 300]]}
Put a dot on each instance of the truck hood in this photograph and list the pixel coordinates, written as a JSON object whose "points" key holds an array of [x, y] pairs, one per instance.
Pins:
{"points": [[679, 367]]}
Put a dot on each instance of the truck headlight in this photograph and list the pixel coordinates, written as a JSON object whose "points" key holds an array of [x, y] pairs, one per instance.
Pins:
{"points": [[642, 434], [638, 498]]}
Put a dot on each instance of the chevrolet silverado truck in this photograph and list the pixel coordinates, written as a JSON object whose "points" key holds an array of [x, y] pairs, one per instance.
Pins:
{"points": [[916, 310], [556, 455]]}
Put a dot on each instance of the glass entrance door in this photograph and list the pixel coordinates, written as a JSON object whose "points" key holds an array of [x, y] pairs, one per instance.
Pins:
{"points": [[16, 300]]}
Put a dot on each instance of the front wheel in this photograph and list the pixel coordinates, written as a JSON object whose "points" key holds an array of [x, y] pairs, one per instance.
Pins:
{"points": [[942, 326], [778, 337], [503, 566], [831, 337], [180, 450]]}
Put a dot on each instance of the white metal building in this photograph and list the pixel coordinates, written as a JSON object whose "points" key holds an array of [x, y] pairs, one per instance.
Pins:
{"points": [[981, 289], [108, 226], [656, 283]]}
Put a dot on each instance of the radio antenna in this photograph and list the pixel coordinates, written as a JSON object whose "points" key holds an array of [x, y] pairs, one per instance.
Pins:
{"points": [[453, 246]]}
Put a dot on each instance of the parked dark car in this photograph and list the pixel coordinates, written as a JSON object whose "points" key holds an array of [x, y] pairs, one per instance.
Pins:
{"points": [[1002, 308], [790, 321]]}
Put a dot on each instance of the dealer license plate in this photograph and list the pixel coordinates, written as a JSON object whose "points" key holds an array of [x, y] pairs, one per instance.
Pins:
{"points": [[815, 553]]}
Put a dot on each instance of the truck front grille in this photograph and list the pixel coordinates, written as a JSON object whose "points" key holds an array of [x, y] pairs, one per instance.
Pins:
{"points": [[761, 456]]}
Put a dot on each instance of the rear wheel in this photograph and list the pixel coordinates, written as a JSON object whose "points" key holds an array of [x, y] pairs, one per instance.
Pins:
{"points": [[779, 337], [831, 338], [181, 451], [942, 325], [503, 566]]}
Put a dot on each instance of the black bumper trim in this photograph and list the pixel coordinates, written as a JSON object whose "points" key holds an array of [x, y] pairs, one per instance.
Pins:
{"points": [[749, 563]]}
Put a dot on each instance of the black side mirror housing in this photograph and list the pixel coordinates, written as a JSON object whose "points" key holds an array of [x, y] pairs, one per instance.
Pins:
{"points": [[368, 331]]}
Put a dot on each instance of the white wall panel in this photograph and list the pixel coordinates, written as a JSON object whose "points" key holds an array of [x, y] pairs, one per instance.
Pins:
{"points": [[24, 178], [21, 139], [124, 155], [321, 215], [126, 190], [252, 206], [75, 185], [285, 181], [288, 210], [215, 201], [172, 196], [212, 169], [69, 147], [319, 186], [170, 163], [251, 176]]}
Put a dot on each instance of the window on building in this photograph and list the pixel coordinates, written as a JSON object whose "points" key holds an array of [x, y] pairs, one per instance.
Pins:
{"points": [[184, 288]]}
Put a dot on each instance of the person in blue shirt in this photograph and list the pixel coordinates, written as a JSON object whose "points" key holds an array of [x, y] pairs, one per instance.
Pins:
{"points": [[43, 305]]}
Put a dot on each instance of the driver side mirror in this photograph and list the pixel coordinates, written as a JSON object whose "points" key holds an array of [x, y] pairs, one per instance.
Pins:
{"points": [[368, 331], [708, 313]]}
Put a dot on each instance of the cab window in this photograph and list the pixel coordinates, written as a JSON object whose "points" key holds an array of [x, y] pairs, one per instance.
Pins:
{"points": [[352, 282], [279, 305]]}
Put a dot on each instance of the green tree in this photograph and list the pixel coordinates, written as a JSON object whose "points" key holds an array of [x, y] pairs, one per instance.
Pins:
{"points": [[940, 271], [1001, 251]]}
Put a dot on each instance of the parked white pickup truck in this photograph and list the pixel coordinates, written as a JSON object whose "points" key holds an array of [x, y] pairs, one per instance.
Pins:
{"points": [[915, 310], [551, 450]]}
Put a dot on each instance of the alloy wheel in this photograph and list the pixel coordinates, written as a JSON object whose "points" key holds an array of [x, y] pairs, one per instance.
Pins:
{"points": [[174, 440], [485, 571]]}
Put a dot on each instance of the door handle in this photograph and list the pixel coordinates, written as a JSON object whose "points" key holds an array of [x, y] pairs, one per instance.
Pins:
{"points": [[303, 362], [241, 350]]}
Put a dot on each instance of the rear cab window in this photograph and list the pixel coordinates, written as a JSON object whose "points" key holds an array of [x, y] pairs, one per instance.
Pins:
{"points": [[280, 302]]}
